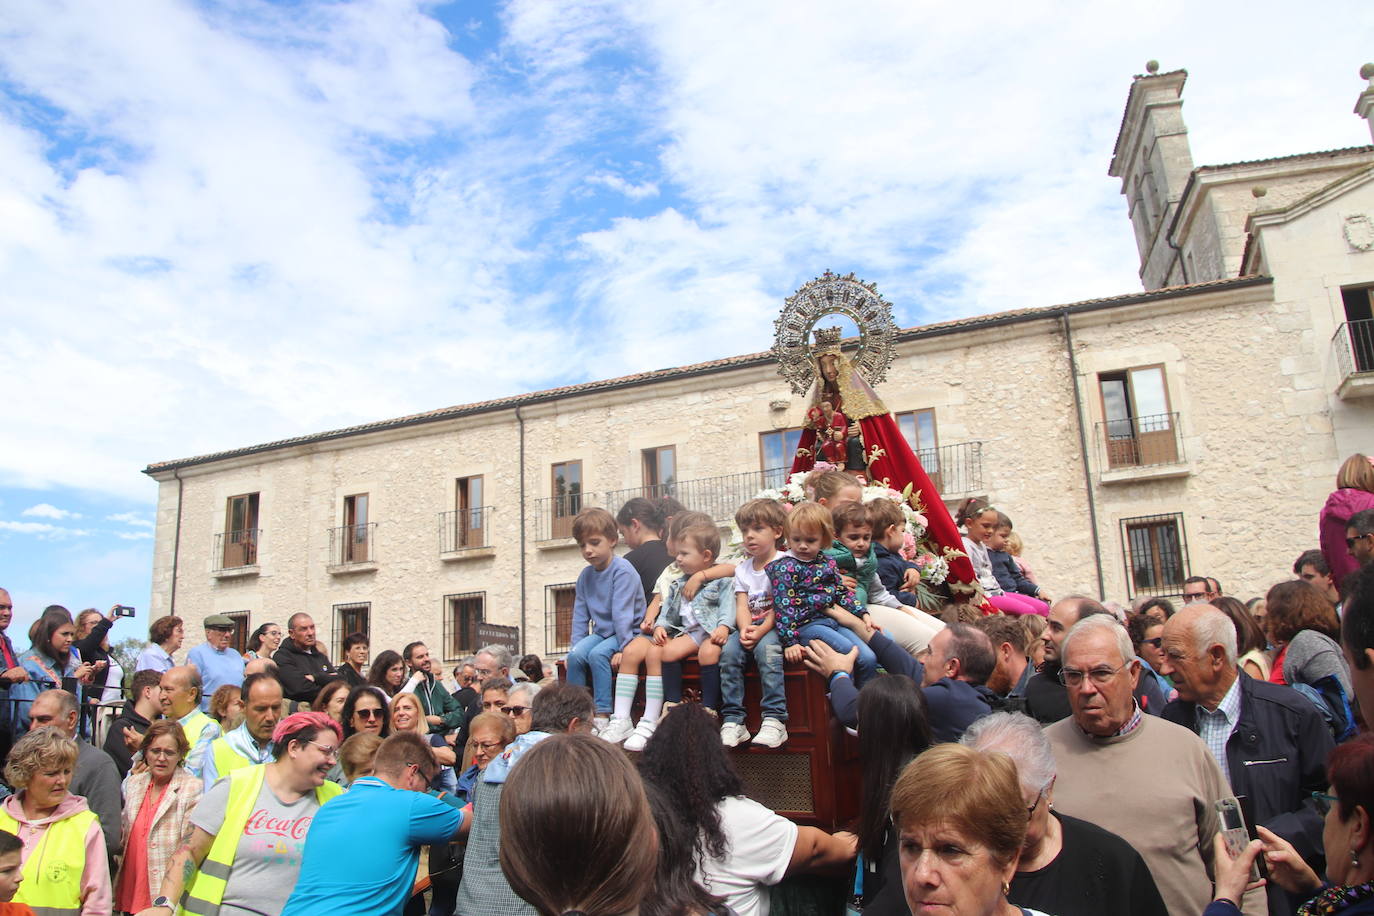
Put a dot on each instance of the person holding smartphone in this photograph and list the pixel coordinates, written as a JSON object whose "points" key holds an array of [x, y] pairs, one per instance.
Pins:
{"points": [[93, 645]]}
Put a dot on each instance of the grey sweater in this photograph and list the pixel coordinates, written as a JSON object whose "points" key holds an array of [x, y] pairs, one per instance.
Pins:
{"points": [[1312, 656], [97, 781]]}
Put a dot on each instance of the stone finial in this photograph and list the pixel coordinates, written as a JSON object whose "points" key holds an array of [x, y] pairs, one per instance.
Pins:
{"points": [[1259, 190], [1151, 66], [1367, 72]]}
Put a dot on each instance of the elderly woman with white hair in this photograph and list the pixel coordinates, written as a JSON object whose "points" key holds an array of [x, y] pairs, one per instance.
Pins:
{"points": [[1068, 866], [518, 704]]}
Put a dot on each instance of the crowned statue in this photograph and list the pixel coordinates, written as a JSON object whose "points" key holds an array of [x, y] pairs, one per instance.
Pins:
{"points": [[848, 427]]}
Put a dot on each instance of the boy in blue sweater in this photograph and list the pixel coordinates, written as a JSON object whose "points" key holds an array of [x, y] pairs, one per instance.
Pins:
{"points": [[609, 603]]}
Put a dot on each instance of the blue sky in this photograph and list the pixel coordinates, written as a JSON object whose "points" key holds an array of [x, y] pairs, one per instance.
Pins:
{"points": [[225, 223]]}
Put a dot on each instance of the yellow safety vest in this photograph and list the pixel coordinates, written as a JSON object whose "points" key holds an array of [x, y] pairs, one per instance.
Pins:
{"points": [[226, 758], [193, 727], [52, 872], [205, 893]]}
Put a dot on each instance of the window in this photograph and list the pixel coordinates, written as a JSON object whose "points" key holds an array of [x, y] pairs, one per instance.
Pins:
{"points": [[462, 614], [242, 630], [469, 528], [567, 496], [776, 451], [660, 470], [350, 619], [239, 543], [355, 537], [558, 615], [918, 428], [1359, 317], [1137, 425], [1156, 553]]}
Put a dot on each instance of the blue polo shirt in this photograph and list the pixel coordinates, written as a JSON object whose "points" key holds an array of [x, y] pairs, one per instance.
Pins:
{"points": [[216, 669], [363, 848]]}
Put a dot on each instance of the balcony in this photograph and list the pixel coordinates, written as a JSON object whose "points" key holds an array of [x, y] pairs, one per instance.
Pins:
{"points": [[956, 469], [1141, 448], [352, 549], [718, 497], [1353, 345], [553, 517], [464, 534], [236, 553]]}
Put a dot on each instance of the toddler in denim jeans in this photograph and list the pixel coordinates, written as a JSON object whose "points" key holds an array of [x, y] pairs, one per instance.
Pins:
{"points": [[810, 599], [609, 602], [761, 522]]}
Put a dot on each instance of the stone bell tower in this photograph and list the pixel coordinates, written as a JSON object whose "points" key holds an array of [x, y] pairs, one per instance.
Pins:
{"points": [[1153, 161]]}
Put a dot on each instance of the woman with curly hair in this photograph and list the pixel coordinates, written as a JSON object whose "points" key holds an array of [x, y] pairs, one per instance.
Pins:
{"points": [[741, 848], [388, 672], [1306, 632], [65, 865]]}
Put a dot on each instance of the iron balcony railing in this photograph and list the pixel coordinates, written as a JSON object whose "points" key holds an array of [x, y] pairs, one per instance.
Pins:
{"points": [[718, 497], [955, 468], [236, 549], [1354, 347], [1138, 442], [349, 544], [553, 515], [465, 529]]}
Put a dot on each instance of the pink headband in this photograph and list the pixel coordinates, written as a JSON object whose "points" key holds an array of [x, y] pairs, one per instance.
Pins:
{"points": [[298, 721]]}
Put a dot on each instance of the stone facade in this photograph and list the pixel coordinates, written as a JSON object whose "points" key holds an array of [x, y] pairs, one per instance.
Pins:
{"points": [[1255, 429]]}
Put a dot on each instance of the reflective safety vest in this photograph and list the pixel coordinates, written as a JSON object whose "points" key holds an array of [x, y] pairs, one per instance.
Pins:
{"points": [[193, 727], [52, 872], [226, 758], [205, 892]]}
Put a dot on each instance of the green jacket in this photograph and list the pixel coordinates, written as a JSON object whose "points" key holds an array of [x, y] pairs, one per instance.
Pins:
{"points": [[866, 573], [437, 701]]}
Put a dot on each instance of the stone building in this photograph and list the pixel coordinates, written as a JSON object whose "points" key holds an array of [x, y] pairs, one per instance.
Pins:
{"points": [[1191, 428]]}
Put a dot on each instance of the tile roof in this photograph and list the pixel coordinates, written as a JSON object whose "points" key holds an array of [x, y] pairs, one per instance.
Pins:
{"points": [[1296, 157], [938, 329]]}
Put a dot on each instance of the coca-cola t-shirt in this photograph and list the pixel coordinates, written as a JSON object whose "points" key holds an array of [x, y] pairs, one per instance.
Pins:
{"points": [[269, 852]]}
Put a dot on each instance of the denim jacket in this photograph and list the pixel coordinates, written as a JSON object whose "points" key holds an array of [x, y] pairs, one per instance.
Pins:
{"points": [[714, 606]]}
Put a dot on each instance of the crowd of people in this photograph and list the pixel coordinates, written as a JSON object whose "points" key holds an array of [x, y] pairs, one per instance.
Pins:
{"points": [[1019, 753]]}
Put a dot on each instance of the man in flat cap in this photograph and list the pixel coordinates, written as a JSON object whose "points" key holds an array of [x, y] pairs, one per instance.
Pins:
{"points": [[217, 663]]}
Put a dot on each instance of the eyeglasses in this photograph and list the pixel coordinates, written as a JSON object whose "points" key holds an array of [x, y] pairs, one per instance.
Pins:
{"points": [[515, 711], [1194, 598], [369, 714], [1324, 801], [488, 746], [1072, 677], [1350, 542], [484, 673], [1155, 641], [325, 749], [161, 752]]}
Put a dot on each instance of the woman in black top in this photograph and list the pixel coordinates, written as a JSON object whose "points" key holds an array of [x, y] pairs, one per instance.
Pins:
{"points": [[642, 523]]}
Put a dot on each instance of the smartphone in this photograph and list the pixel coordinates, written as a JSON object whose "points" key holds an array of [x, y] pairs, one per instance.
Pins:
{"points": [[1237, 830], [123, 610]]}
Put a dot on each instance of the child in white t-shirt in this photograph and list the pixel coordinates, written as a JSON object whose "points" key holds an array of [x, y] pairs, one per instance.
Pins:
{"points": [[760, 523]]}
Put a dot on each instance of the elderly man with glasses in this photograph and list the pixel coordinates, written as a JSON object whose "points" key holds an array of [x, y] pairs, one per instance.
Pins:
{"points": [[1151, 782], [1269, 739]]}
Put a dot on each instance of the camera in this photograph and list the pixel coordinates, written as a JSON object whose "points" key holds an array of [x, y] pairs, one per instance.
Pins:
{"points": [[123, 610]]}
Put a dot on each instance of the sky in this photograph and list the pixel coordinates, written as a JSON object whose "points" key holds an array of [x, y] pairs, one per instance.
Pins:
{"points": [[223, 223]]}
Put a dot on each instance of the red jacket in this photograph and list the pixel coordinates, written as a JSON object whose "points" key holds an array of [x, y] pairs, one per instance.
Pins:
{"points": [[1335, 515]]}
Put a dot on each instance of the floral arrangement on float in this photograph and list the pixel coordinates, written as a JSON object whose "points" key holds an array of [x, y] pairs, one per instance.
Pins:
{"points": [[931, 561]]}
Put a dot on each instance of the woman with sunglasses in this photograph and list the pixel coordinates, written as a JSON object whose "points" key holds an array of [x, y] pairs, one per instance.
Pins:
{"points": [[1347, 841], [365, 711], [518, 703], [1147, 636]]}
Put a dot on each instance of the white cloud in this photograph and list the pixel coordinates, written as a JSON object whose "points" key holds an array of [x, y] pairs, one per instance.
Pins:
{"points": [[134, 535], [130, 518], [47, 510], [622, 186], [43, 530]]}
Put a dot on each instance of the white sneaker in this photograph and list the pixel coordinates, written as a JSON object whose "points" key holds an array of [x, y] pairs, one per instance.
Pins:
{"points": [[733, 734], [772, 733], [617, 730], [599, 724], [642, 733]]}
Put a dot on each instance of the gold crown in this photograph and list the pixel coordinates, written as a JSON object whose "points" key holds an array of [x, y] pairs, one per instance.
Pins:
{"points": [[827, 340]]}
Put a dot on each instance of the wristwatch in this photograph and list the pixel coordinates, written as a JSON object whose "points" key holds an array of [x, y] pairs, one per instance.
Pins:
{"points": [[163, 902]]}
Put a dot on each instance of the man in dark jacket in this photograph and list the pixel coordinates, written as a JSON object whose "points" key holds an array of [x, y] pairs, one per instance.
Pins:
{"points": [[301, 667], [442, 711], [1270, 740], [127, 728], [953, 701]]}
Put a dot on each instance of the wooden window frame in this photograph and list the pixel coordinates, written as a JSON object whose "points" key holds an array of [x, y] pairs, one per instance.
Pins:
{"points": [[453, 631], [1153, 523], [1161, 446], [339, 631], [243, 622]]}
